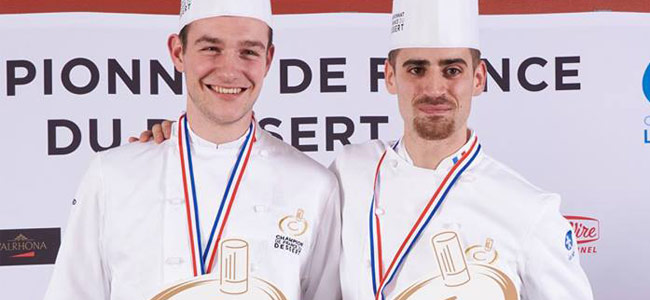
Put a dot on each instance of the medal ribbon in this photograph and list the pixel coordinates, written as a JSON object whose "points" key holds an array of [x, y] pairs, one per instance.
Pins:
{"points": [[203, 257], [380, 278]]}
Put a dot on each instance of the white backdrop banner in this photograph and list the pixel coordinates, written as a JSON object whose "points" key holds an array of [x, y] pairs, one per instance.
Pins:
{"points": [[567, 105]]}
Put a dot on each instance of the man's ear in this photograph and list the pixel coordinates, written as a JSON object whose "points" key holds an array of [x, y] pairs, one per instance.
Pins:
{"points": [[269, 58], [480, 78], [389, 78], [175, 47]]}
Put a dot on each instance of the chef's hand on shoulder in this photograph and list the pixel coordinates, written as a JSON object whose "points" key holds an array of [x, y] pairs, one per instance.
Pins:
{"points": [[159, 133]]}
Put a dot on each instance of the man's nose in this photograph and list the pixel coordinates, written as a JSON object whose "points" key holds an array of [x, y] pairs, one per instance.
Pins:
{"points": [[435, 86], [227, 66]]}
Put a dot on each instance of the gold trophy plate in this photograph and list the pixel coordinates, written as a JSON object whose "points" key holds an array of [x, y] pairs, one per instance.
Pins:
{"points": [[202, 288], [487, 283], [234, 282]]}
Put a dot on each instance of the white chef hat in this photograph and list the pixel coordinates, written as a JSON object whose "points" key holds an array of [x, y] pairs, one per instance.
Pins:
{"points": [[192, 10], [434, 24]]}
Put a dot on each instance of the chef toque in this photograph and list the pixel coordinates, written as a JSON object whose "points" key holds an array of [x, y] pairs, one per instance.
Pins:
{"points": [[192, 10], [434, 24]]}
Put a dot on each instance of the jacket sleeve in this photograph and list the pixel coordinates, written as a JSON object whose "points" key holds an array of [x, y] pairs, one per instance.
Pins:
{"points": [[322, 280], [550, 266], [79, 271]]}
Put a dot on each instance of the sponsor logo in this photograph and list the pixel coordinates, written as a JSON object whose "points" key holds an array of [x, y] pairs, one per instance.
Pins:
{"points": [[587, 231], [29, 246], [568, 244], [568, 240]]}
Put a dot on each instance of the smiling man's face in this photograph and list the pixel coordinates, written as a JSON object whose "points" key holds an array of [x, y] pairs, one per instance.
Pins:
{"points": [[225, 60]]}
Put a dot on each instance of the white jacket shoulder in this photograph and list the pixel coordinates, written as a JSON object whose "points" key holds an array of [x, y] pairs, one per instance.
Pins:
{"points": [[499, 178], [355, 156]]}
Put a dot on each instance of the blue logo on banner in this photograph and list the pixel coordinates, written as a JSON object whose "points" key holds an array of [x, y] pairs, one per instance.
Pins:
{"points": [[568, 240], [646, 83]]}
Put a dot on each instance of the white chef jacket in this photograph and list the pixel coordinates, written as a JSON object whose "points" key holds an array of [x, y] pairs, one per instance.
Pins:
{"points": [[127, 236], [532, 242]]}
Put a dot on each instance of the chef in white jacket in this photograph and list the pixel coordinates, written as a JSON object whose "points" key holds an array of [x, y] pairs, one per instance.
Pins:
{"points": [[222, 201], [431, 215]]}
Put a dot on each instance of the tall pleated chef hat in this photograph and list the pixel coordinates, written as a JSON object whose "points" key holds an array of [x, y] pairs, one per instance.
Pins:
{"points": [[434, 24], [192, 10]]}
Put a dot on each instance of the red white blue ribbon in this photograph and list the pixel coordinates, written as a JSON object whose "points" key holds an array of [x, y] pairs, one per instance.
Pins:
{"points": [[382, 278], [204, 252]]}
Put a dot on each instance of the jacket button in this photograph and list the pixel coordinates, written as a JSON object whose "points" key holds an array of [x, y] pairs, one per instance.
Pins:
{"points": [[264, 153], [452, 226], [174, 260], [259, 208], [393, 163], [468, 177], [175, 201]]}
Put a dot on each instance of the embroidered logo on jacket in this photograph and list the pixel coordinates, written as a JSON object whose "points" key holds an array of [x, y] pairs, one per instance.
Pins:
{"points": [[292, 227], [568, 240]]}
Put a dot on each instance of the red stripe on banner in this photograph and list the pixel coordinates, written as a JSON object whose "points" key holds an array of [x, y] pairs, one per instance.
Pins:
{"points": [[187, 199], [171, 7], [28, 254], [579, 218]]}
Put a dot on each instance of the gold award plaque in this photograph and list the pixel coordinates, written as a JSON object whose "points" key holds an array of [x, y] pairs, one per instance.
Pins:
{"points": [[460, 279], [234, 282]]}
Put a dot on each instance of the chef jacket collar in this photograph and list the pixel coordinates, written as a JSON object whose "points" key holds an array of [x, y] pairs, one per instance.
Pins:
{"points": [[445, 164], [197, 141]]}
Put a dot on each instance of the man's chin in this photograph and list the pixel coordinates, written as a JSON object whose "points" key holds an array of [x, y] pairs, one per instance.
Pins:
{"points": [[433, 128]]}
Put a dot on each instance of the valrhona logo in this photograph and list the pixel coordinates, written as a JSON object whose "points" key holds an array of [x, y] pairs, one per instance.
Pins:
{"points": [[587, 231], [29, 246]]}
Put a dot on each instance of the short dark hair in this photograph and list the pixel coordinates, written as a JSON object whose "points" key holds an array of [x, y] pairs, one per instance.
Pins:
{"points": [[476, 57], [183, 36]]}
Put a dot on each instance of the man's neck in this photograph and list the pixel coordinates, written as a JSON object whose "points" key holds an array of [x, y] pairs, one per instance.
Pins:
{"points": [[214, 132], [429, 153]]}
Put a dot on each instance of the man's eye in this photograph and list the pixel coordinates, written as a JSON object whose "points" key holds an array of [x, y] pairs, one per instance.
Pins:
{"points": [[249, 52], [210, 49], [453, 71], [416, 71]]}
